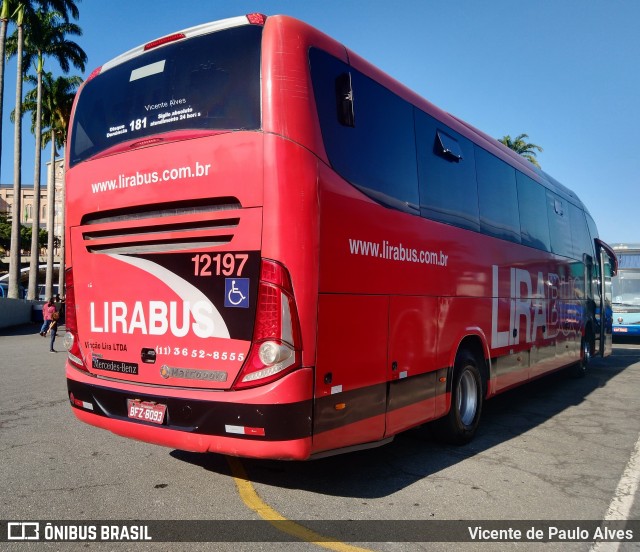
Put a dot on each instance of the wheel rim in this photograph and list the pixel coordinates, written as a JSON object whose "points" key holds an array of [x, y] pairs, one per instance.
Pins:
{"points": [[586, 352], [467, 397]]}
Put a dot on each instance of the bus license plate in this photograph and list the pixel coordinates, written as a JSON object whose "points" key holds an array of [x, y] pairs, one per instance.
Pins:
{"points": [[146, 411]]}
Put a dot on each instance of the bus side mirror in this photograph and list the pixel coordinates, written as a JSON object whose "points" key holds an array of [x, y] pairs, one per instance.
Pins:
{"points": [[344, 100]]}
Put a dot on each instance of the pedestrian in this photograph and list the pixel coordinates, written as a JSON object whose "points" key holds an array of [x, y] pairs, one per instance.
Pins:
{"points": [[53, 328], [47, 312], [62, 310]]}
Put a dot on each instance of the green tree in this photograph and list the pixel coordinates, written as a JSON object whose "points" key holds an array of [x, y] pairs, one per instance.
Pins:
{"points": [[521, 146], [5, 232], [46, 36], [25, 231]]}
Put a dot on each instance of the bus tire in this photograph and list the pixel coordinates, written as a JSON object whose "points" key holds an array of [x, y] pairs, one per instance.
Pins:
{"points": [[459, 426], [579, 370]]}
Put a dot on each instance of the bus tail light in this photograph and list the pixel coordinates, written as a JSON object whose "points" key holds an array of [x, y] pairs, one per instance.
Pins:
{"points": [[256, 18], [94, 73], [275, 350], [164, 40], [71, 337]]}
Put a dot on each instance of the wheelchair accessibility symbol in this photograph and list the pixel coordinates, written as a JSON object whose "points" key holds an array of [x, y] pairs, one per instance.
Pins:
{"points": [[236, 292]]}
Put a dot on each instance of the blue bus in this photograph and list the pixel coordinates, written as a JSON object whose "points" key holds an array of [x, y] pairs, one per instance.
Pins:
{"points": [[625, 289]]}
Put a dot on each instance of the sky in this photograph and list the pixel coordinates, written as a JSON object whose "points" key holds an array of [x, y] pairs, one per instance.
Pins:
{"points": [[565, 72]]}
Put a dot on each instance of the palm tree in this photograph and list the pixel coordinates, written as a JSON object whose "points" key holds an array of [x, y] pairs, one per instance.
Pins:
{"points": [[58, 96], [5, 12], [57, 101], [14, 259], [22, 8], [46, 36], [519, 145]]}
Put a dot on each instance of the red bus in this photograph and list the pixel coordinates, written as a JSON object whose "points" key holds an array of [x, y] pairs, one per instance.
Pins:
{"points": [[278, 251]]}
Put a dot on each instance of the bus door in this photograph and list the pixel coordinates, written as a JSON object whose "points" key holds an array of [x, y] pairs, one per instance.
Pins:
{"points": [[607, 264]]}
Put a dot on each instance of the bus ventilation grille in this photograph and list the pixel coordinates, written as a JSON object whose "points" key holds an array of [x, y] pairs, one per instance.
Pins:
{"points": [[161, 228]]}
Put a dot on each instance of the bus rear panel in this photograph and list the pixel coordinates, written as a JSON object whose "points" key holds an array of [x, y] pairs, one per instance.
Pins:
{"points": [[181, 334]]}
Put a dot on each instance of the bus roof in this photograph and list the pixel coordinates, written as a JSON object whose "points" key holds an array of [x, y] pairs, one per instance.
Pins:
{"points": [[190, 32], [626, 246], [477, 136]]}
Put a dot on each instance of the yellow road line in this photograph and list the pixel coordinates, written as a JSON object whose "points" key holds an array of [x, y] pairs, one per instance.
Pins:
{"points": [[252, 500]]}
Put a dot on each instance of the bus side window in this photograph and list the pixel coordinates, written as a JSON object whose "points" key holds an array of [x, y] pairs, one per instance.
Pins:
{"points": [[559, 225], [497, 197], [588, 272], [534, 222], [378, 154], [582, 243], [447, 174]]}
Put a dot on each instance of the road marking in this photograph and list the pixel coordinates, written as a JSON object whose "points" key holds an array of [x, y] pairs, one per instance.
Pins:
{"points": [[250, 497], [622, 501]]}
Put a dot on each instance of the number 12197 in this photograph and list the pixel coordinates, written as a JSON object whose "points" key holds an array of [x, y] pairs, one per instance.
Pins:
{"points": [[225, 264]]}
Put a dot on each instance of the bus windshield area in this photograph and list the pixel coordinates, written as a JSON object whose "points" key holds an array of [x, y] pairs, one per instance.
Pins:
{"points": [[208, 82], [626, 288]]}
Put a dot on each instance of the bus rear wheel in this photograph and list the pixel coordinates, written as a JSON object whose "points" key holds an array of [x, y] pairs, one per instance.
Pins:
{"points": [[459, 426], [586, 346]]}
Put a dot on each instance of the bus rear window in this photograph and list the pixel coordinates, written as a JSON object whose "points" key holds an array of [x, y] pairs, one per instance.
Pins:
{"points": [[209, 82]]}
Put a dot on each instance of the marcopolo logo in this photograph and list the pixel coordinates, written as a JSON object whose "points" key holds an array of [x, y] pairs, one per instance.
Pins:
{"points": [[189, 373]]}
